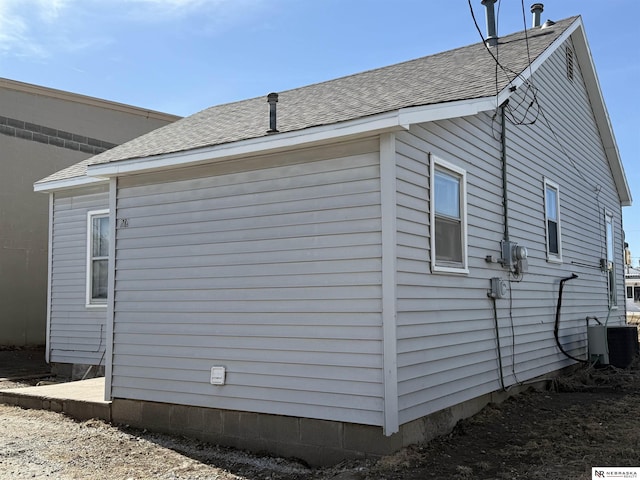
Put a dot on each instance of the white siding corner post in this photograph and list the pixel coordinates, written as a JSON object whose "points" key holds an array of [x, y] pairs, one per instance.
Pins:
{"points": [[389, 283], [108, 369], [47, 350]]}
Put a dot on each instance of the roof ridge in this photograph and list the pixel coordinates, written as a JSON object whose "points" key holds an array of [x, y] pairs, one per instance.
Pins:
{"points": [[453, 75], [501, 41]]}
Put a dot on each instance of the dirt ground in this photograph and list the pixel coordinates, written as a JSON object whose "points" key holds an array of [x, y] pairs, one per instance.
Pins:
{"points": [[591, 418]]}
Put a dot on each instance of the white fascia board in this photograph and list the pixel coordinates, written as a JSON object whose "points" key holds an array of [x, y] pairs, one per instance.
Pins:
{"points": [[585, 60], [603, 121], [528, 72], [74, 182], [462, 108], [386, 122], [443, 111]]}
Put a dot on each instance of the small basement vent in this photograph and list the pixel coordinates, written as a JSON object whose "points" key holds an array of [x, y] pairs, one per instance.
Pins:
{"points": [[569, 58]]}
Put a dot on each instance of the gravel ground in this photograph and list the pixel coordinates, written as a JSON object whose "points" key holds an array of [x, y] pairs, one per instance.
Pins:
{"points": [[591, 418]]}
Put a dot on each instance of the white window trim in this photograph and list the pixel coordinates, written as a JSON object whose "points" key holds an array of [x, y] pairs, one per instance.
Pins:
{"points": [[435, 268], [552, 257], [609, 218], [89, 302]]}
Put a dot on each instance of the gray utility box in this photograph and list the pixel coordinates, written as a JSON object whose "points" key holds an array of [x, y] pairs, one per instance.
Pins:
{"points": [[598, 348]]}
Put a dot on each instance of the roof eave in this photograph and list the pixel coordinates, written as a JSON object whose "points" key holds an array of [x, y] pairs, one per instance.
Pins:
{"points": [[386, 122], [603, 121], [268, 144], [74, 182]]}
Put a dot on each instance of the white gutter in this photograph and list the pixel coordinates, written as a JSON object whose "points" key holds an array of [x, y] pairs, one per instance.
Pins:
{"points": [[269, 144], [383, 123], [377, 124], [443, 111], [67, 183]]}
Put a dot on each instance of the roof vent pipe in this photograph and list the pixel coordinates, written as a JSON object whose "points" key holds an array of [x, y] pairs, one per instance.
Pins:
{"points": [[536, 9], [492, 37], [548, 23], [272, 98]]}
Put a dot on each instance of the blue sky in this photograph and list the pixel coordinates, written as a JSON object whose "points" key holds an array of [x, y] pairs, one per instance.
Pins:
{"points": [[181, 56]]}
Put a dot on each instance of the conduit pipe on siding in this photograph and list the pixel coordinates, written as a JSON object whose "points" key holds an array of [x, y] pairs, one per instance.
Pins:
{"points": [[505, 205], [499, 348], [503, 157], [556, 328]]}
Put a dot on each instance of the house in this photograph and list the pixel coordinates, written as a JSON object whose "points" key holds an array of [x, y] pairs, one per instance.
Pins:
{"points": [[632, 287], [349, 267], [43, 130]]}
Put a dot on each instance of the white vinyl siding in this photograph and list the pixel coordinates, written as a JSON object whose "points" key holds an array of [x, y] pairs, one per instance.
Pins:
{"points": [[274, 274], [446, 336], [446, 343], [77, 334]]}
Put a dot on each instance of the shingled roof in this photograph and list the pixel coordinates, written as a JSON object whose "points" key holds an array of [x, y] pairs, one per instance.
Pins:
{"points": [[462, 74]]}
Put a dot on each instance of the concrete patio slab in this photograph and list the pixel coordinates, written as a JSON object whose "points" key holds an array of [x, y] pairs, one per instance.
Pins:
{"points": [[81, 400]]}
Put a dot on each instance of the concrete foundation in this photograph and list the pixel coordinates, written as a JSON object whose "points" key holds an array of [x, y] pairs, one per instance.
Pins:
{"points": [[76, 371], [316, 442]]}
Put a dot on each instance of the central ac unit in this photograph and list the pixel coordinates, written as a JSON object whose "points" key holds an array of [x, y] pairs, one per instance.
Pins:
{"points": [[615, 346]]}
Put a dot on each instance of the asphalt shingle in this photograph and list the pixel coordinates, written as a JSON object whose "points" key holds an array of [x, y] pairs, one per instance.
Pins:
{"points": [[462, 74]]}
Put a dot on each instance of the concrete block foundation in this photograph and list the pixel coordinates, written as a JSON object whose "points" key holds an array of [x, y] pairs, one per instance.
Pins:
{"points": [[76, 371], [316, 442]]}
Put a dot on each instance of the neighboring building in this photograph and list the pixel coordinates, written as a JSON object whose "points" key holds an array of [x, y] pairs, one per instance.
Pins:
{"points": [[632, 290], [43, 130], [322, 288]]}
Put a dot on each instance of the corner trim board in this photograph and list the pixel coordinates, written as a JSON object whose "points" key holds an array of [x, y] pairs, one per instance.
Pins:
{"points": [[108, 369], [389, 282], [47, 350]]}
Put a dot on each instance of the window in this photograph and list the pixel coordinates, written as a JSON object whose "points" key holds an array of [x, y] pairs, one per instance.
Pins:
{"points": [[611, 264], [629, 292], [97, 257], [552, 220], [448, 217]]}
